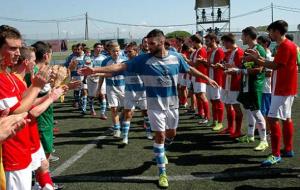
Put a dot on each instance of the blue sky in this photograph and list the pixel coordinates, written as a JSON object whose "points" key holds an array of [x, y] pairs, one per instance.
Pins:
{"points": [[151, 12]]}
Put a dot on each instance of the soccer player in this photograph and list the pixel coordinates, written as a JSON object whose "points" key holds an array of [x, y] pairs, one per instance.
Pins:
{"points": [[18, 99], [215, 58], [115, 87], [284, 88], [39, 162], [93, 83], [251, 92], [198, 60], [144, 46], [159, 71], [265, 42], [231, 86], [135, 95]]}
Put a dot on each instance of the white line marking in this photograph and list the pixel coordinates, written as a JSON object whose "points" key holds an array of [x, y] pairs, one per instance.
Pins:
{"points": [[59, 170]]}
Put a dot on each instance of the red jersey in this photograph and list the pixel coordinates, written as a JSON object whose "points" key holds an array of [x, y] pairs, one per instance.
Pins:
{"points": [[34, 135], [16, 150], [233, 82], [187, 55], [285, 77], [200, 53], [216, 56]]}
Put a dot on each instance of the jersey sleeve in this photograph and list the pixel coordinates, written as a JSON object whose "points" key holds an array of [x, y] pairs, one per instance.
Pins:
{"points": [[135, 65], [238, 58], [184, 67], [8, 98]]}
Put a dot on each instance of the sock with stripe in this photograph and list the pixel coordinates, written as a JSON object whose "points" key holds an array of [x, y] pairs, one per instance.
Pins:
{"points": [[159, 152], [125, 128]]}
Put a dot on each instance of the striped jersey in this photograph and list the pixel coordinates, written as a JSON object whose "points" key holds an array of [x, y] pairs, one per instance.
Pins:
{"points": [[160, 77], [118, 79]]}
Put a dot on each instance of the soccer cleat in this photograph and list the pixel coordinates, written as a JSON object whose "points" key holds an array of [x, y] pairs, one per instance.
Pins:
{"points": [[149, 135], [163, 180], [218, 127], [245, 139], [125, 140], [117, 134], [203, 122], [288, 154], [263, 145], [103, 117], [271, 160], [53, 158]]}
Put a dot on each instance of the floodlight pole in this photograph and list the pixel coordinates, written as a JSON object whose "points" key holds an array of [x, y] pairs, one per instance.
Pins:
{"points": [[272, 14], [86, 36]]}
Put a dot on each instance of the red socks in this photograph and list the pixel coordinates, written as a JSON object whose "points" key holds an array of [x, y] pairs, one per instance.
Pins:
{"points": [[230, 118], [288, 131], [44, 178], [238, 123], [275, 137], [217, 110]]}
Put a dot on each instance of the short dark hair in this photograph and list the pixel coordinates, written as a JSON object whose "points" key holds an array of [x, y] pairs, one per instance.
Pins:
{"points": [[229, 37], [180, 39], [290, 37], [97, 44], [250, 31], [25, 52], [279, 25], [133, 45], [196, 38], [265, 40], [155, 33], [41, 48], [211, 36], [144, 38], [8, 32]]}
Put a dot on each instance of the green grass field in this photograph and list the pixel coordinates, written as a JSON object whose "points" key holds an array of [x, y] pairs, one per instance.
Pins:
{"points": [[198, 159]]}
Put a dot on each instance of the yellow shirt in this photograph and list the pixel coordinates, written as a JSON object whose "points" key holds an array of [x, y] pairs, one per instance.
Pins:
{"points": [[2, 173]]}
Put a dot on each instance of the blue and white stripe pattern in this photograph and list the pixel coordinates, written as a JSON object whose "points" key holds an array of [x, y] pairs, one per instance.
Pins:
{"points": [[118, 79], [134, 86], [81, 63], [160, 77]]}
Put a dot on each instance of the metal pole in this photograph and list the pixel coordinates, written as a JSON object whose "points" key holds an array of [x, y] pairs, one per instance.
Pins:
{"points": [[272, 12], [229, 15], [57, 25], [86, 36]]}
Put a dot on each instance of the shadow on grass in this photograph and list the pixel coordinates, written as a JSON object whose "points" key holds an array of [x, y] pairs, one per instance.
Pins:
{"points": [[110, 176]]}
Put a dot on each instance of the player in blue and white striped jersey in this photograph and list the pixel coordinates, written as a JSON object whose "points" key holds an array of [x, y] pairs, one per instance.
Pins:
{"points": [[115, 87], [135, 95], [93, 83], [159, 71]]}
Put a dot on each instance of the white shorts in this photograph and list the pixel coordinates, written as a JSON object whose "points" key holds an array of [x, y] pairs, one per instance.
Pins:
{"points": [[180, 79], [186, 82], [19, 180], [130, 103], [115, 98], [161, 120], [37, 158], [198, 86], [281, 107], [92, 87], [103, 87], [229, 97], [214, 93]]}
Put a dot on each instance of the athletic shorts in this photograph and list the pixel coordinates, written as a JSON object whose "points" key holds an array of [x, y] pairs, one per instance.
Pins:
{"points": [[229, 97], [250, 100], [46, 136], [181, 79], [265, 103], [131, 104], [19, 179], [281, 107], [115, 98], [199, 87], [162, 120], [37, 158], [214, 93], [92, 86], [103, 87]]}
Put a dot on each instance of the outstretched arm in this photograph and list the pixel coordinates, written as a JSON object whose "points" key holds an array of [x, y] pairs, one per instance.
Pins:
{"points": [[197, 73], [107, 69]]}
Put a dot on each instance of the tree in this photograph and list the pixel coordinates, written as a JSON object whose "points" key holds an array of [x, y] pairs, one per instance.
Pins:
{"points": [[178, 33], [262, 28]]}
